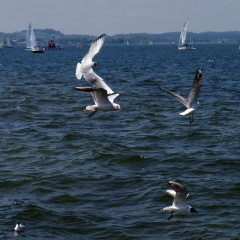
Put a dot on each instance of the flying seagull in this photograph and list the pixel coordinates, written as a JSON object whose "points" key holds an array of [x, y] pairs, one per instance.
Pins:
{"points": [[103, 101], [85, 67], [191, 103], [180, 194]]}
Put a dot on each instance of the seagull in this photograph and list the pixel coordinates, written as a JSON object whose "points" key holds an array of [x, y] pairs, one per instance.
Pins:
{"points": [[103, 101], [19, 227], [85, 67], [191, 103], [180, 194]]}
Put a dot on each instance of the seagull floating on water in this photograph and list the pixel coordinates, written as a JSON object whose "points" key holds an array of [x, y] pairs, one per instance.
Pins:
{"points": [[103, 101], [85, 67], [180, 194], [19, 227], [191, 103]]}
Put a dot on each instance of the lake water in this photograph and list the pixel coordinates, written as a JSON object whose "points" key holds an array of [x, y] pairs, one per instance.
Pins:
{"points": [[70, 176]]}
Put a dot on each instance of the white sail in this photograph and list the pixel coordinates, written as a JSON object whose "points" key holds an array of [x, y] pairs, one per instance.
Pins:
{"points": [[28, 37], [33, 41], [9, 45], [183, 34]]}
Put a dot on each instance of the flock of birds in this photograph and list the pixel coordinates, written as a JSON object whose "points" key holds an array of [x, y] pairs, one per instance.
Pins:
{"points": [[104, 97]]}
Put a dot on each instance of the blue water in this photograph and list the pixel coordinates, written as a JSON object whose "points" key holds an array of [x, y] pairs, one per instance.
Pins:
{"points": [[68, 176]]}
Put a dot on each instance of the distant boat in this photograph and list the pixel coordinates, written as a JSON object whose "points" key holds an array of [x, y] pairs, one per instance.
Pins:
{"points": [[52, 45], [31, 42], [82, 45], [9, 45], [182, 45]]}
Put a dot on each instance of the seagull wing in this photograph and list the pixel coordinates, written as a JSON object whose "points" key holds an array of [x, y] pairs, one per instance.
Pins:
{"points": [[112, 97], [78, 72], [100, 95], [180, 98], [171, 193], [85, 67], [96, 81], [181, 193], [86, 62], [94, 49], [197, 84]]}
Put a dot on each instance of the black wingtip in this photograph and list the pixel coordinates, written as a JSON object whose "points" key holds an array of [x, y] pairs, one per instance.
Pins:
{"points": [[157, 84], [101, 36]]}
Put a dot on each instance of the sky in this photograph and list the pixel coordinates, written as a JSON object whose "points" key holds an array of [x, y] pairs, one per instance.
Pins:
{"points": [[94, 17]]}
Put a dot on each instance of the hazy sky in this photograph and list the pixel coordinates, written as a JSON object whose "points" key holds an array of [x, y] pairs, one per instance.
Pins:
{"points": [[94, 17]]}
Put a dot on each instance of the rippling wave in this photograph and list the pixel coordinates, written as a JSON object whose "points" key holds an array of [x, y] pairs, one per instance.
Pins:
{"points": [[68, 176]]}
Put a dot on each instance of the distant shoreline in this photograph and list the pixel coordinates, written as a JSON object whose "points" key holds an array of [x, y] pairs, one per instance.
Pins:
{"points": [[43, 35]]}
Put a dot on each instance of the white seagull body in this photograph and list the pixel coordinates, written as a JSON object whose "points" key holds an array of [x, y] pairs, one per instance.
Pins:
{"points": [[19, 227], [103, 101], [85, 67], [180, 194], [191, 103]]}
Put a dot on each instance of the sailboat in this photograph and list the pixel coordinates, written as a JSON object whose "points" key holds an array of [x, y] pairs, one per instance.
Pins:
{"points": [[9, 45], [31, 42], [182, 45]]}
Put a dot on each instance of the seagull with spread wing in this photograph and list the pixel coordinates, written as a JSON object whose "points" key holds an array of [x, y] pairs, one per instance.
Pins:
{"points": [[180, 194], [103, 101], [191, 103], [85, 68]]}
